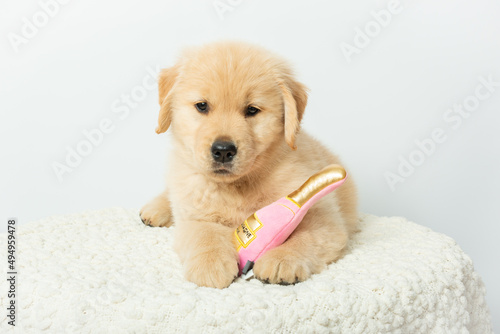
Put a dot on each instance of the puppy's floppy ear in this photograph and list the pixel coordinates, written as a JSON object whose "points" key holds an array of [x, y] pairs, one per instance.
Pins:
{"points": [[166, 81], [295, 100]]}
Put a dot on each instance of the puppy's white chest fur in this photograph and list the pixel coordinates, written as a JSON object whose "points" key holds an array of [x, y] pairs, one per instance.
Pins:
{"points": [[194, 198]]}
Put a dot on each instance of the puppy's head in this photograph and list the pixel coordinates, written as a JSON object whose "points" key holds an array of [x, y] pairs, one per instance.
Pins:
{"points": [[228, 106]]}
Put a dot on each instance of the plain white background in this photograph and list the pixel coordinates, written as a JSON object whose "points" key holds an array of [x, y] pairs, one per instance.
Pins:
{"points": [[74, 70]]}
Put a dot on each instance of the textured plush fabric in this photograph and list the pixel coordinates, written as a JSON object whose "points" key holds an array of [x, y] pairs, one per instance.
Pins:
{"points": [[106, 272]]}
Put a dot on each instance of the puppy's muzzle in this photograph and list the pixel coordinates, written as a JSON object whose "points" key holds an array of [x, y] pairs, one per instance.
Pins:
{"points": [[223, 151]]}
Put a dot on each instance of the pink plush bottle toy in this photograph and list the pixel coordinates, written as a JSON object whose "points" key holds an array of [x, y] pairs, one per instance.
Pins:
{"points": [[270, 226]]}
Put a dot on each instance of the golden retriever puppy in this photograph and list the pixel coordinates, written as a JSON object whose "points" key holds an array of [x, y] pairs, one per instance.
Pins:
{"points": [[234, 113]]}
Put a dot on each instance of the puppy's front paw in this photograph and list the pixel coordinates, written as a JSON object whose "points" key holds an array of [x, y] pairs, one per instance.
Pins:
{"points": [[282, 266], [212, 269], [157, 213]]}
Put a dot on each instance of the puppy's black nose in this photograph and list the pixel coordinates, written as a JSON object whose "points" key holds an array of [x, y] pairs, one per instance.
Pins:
{"points": [[223, 151]]}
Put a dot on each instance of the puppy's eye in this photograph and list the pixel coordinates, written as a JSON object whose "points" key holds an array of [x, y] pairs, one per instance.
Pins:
{"points": [[251, 111], [202, 107]]}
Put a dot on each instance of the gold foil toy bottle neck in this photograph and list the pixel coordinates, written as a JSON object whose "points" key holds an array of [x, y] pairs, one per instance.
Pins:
{"points": [[327, 176]]}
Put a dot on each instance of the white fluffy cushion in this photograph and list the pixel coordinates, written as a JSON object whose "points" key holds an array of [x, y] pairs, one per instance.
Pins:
{"points": [[106, 272]]}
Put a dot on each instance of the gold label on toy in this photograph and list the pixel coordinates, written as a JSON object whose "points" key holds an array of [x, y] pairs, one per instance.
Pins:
{"points": [[245, 233]]}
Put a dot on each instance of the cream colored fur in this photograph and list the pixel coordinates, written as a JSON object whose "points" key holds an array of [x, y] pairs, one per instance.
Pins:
{"points": [[273, 159]]}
